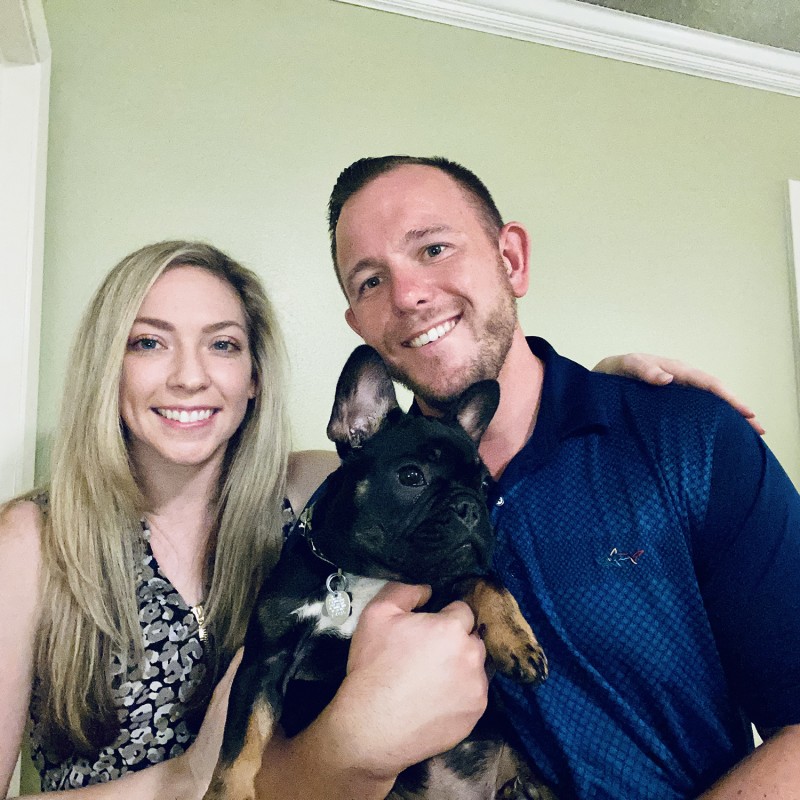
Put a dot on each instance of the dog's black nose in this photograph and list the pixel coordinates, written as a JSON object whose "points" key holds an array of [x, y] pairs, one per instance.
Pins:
{"points": [[468, 513]]}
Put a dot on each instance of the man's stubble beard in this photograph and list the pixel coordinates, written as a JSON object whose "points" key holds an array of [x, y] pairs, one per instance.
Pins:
{"points": [[496, 339]]}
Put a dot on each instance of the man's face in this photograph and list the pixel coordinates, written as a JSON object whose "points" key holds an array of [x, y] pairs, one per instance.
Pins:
{"points": [[428, 286]]}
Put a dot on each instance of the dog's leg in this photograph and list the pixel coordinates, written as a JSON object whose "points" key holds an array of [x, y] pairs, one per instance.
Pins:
{"points": [[235, 780], [520, 789], [509, 640], [253, 709], [516, 780]]}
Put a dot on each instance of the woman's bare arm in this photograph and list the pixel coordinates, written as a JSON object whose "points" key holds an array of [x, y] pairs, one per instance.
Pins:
{"points": [[185, 777], [307, 469]]}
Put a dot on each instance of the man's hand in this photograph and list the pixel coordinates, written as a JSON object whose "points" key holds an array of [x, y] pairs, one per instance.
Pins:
{"points": [[661, 371], [417, 680]]}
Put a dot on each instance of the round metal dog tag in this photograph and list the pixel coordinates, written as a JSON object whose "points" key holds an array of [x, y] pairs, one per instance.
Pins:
{"points": [[337, 601]]}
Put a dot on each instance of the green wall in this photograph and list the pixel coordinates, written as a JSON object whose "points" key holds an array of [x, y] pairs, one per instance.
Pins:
{"points": [[656, 201]]}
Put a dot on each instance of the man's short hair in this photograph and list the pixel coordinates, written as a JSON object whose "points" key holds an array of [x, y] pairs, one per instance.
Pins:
{"points": [[361, 172]]}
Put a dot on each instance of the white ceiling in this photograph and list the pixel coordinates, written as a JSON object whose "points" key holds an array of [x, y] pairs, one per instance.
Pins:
{"points": [[772, 22]]}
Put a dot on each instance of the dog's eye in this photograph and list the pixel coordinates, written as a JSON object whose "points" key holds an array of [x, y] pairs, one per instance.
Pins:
{"points": [[410, 475]]}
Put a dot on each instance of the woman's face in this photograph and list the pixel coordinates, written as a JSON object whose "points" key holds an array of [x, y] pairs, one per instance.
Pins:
{"points": [[187, 375]]}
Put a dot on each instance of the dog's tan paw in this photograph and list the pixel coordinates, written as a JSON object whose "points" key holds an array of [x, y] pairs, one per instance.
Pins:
{"points": [[509, 640], [524, 662]]}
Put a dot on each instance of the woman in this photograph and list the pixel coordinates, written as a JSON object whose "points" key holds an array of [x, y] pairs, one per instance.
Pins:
{"points": [[168, 475], [132, 579]]}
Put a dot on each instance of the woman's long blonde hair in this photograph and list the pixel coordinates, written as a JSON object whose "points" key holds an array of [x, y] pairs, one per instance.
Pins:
{"points": [[92, 534]]}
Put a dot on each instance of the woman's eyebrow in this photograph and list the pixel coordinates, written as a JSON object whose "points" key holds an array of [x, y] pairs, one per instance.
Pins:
{"points": [[163, 325], [154, 322], [218, 326]]}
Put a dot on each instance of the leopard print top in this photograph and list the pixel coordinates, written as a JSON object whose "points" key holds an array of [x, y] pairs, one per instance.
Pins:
{"points": [[153, 704]]}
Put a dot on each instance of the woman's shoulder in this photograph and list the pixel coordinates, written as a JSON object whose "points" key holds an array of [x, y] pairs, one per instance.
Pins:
{"points": [[21, 523], [306, 471]]}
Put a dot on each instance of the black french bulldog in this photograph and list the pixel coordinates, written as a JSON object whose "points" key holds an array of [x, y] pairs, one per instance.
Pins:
{"points": [[409, 504]]}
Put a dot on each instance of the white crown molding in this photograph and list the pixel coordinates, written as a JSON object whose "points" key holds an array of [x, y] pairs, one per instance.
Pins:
{"points": [[24, 94], [614, 34]]}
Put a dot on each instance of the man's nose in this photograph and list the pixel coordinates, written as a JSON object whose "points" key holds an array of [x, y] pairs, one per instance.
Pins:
{"points": [[411, 288]]}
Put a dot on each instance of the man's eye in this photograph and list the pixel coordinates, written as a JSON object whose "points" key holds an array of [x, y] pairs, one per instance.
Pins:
{"points": [[410, 475], [433, 250], [370, 283]]}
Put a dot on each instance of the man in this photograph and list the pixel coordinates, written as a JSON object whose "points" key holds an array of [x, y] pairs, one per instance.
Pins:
{"points": [[650, 537]]}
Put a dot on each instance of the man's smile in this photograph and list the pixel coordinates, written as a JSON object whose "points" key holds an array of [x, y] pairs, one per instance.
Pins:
{"points": [[433, 334]]}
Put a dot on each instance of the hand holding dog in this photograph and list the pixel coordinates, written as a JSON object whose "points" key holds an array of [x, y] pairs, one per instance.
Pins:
{"points": [[416, 682]]}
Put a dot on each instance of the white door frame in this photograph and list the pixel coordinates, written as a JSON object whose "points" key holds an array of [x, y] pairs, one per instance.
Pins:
{"points": [[24, 94], [794, 273]]}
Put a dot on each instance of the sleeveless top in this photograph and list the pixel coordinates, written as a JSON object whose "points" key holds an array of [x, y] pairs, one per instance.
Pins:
{"points": [[154, 704]]}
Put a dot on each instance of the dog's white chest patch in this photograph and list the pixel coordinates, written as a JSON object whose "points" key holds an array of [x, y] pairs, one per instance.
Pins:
{"points": [[362, 591]]}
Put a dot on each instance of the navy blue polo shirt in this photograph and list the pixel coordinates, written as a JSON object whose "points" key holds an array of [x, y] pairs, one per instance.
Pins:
{"points": [[653, 542]]}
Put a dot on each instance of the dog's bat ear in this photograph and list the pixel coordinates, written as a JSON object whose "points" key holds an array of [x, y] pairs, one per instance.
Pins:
{"points": [[364, 397], [475, 408]]}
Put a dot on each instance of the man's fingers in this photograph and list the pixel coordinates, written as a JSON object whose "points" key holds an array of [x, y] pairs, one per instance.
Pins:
{"points": [[401, 596], [460, 611], [659, 370]]}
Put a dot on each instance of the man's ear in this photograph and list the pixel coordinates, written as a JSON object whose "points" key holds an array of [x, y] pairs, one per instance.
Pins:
{"points": [[350, 318], [515, 245]]}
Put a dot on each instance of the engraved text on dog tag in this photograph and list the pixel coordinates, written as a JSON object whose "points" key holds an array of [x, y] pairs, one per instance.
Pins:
{"points": [[337, 601]]}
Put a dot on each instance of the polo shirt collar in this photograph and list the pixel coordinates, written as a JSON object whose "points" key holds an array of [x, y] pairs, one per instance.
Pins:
{"points": [[571, 405]]}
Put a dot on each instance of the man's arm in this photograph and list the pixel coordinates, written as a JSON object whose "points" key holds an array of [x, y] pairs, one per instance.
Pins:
{"points": [[772, 771], [661, 371], [748, 563]]}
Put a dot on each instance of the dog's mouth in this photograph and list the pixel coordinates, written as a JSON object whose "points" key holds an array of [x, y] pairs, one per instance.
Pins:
{"points": [[469, 558], [438, 567]]}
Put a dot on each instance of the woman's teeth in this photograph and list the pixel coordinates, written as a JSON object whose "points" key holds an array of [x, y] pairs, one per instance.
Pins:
{"points": [[185, 416], [433, 334]]}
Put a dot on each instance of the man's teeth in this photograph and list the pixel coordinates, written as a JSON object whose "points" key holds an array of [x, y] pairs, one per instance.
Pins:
{"points": [[433, 334], [185, 416]]}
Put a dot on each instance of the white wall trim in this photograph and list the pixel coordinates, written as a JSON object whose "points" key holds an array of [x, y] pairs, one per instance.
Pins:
{"points": [[24, 99], [23, 32], [609, 33], [794, 274], [24, 96]]}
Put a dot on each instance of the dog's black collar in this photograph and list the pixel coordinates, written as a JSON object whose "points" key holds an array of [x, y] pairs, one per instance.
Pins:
{"points": [[303, 527]]}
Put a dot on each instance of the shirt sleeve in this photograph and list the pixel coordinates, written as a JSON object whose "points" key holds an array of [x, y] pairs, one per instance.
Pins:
{"points": [[748, 565]]}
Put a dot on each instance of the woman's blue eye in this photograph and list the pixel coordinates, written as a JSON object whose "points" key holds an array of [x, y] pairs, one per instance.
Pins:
{"points": [[144, 343]]}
